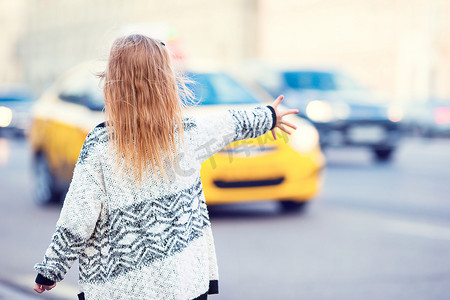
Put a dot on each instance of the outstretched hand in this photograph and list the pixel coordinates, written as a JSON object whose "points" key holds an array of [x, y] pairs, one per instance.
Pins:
{"points": [[280, 122], [40, 288]]}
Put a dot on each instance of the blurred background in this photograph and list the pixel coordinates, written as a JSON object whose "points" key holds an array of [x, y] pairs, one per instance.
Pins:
{"points": [[361, 208]]}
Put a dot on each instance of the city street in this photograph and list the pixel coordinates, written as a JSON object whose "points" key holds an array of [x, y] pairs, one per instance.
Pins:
{"points": [[376, 231]]}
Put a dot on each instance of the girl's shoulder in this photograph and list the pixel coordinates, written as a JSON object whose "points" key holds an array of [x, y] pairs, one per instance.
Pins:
{"points": [[95, 139], [101, 125], [189, 123]]}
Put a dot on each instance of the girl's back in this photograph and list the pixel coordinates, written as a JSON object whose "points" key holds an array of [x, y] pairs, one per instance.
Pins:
{"points": [[135, 214]]}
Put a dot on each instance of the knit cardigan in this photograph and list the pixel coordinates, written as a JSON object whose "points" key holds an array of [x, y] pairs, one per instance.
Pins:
{"points": [[148, 241]]}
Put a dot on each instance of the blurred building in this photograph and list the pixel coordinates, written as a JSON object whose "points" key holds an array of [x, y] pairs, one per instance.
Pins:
{"points": [[399, 47], [60, 34], [11, 27]]}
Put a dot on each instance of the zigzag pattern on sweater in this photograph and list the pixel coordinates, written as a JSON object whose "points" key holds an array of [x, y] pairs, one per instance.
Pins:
{"points": [[67, 244], [146, 231]]}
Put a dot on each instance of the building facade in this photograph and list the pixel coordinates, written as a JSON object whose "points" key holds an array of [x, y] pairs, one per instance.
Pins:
{"points": [[398, 47]]}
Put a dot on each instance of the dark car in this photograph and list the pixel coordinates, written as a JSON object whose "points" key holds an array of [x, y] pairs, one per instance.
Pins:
{"points": [[344, 113], [429, 119], [15, 108]]}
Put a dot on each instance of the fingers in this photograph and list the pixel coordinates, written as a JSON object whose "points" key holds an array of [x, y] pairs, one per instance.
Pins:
{"points": [[284, 129], [274, 134], [289, 112], [277, 101], [281, 128], [289, 124], [280, 122], [38, 288], [49, 287]]}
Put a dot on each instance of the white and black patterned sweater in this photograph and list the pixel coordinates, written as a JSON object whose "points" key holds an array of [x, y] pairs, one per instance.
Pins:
{"points": [[152, 241]]}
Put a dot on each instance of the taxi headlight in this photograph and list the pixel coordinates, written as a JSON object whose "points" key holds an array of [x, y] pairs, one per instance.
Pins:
{"points": [[305, 138], [319, 111], [5, 116]]}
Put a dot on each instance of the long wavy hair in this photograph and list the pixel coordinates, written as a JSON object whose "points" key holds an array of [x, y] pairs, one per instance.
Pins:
{"points": [[142, 104]]}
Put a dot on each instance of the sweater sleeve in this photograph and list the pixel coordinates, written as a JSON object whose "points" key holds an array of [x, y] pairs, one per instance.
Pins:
{"points": [[218, 130], [78, 217]]}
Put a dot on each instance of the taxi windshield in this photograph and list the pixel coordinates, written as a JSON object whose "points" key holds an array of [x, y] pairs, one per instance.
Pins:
{"points": [[218, 88], [95, 94], [18, 96]]}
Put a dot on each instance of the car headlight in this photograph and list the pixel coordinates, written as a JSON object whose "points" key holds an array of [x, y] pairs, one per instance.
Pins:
{"points": [[395, 114], [341, 110], [5, 116], [319, 111], [305, 138]]}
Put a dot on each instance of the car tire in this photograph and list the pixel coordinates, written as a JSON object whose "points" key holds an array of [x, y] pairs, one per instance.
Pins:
{"points": [[383, 155], [292, 206], [45, 188]]}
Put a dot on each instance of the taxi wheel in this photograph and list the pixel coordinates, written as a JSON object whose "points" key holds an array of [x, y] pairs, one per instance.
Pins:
{"points": [[292, 206], [45, 191]]}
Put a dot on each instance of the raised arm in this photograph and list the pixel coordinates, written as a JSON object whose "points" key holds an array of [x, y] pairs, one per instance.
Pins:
{"points": [[218, 130]]}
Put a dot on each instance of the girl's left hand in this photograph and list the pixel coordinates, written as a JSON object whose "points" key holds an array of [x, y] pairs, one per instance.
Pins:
{"points": [[280, 122], [40, 288]]}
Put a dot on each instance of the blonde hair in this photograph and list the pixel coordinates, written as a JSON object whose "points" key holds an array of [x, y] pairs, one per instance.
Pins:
{"points": [[142, 103]]}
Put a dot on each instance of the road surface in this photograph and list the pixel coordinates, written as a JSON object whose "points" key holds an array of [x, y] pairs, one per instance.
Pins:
{"points": [[376, 231]]}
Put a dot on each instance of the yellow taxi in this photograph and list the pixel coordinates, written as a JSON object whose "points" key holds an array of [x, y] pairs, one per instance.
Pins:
{"points": [[286, 169]]}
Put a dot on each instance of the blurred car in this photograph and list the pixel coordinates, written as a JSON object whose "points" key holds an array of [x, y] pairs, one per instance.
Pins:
{"points": [[15, 109], [429, 119], [344, 113], [287, 169]]}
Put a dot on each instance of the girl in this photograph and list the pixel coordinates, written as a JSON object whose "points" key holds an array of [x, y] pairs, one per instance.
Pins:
{"points": [[135, 213]]}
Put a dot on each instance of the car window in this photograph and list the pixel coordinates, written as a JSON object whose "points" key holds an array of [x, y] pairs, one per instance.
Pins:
{"points": [[72, 87], [344, 82], [218, 88], [310, 80], [94, 92], [14, 95], [271, 81], [324, 81], [13, 98], [82, 87]]}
